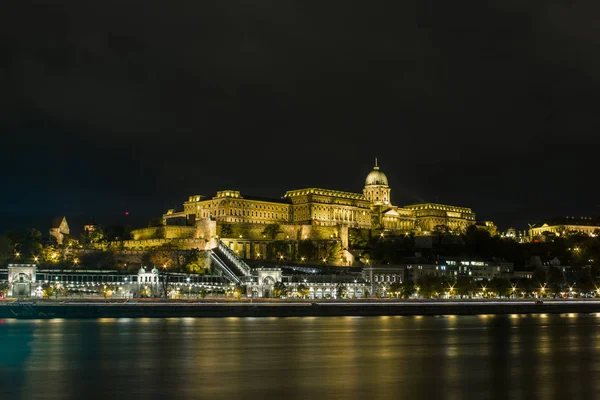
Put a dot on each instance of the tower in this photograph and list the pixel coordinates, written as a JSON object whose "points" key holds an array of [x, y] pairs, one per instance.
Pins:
{"points": [[376, 188]]}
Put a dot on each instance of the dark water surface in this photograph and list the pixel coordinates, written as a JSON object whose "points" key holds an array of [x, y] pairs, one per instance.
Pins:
{"points": [[451, 357]]}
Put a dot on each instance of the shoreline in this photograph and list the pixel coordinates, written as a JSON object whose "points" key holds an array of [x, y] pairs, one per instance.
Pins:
{"points": [[263, 309]]}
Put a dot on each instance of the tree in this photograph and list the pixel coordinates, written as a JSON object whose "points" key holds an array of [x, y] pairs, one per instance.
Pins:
{"points": [[395, 289], [6, 250], [407, 289], [160, 257], [95, 237], [341, 291], [555, 279], [28, 243], [107, 290], [464, 286], [272, 230], [302, 290], [500, 286], [197, 262], [3, 288], [430, 286], [155, 222], [585, 284], [526, 285], [307, 249], [47, 290], [118, 232], [334, 252], [98, 259], [279, 289], [539, 275], [238, 292], [226, 230]]}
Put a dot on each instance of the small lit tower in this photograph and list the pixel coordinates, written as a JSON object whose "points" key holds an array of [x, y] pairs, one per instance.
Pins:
{"points": [[376, 188]]}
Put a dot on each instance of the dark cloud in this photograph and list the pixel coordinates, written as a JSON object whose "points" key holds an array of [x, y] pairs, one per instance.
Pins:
{"points": [[113, 105]]}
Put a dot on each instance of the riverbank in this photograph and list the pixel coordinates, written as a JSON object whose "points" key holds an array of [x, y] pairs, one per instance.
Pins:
{"points": [[213, 309]]}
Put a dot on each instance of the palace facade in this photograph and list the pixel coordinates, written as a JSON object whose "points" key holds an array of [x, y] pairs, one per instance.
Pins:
{"points": [[371, 209]]}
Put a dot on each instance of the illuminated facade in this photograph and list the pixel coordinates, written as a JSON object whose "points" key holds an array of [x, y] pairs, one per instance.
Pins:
{"points": [[371, 209], [565, 226]]}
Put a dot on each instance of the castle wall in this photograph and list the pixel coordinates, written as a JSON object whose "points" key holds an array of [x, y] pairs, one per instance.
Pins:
{"points": [[165, 232], [183, 244]]}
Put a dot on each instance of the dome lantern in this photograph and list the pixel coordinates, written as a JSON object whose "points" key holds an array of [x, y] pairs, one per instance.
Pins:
{"points": [[376, 177]]}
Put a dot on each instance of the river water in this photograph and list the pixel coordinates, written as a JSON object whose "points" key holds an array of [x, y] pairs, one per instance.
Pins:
{"points": [[446, 357]]}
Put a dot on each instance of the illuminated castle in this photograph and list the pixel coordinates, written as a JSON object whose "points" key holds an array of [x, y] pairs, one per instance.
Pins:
{"points": [[371, 209]]}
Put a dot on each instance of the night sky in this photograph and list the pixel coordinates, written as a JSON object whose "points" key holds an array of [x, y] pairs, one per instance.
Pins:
{"points": [[114, 106]]}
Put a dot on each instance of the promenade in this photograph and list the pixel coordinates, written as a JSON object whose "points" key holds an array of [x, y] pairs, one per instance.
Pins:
{"points": [[300, 308]]}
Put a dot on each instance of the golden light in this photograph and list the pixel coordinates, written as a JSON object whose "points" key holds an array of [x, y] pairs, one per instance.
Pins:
{"points": [[76, 261], [281, 257], [17, 254], [302, 258], [324, 260], [257, 254], [35, 259]]}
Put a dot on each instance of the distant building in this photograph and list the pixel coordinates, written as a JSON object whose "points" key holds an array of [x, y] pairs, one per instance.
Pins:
{"points": [[90, 226], [517, 236], [565, 225], [59, 229]]}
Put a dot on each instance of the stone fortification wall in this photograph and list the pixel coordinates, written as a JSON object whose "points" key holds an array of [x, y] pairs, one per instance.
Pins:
{"points": [[286, 232], [165, 232], [183, 244]]}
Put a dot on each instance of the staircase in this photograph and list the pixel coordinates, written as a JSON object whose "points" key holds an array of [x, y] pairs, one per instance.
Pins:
{"points": [[233, 267]]}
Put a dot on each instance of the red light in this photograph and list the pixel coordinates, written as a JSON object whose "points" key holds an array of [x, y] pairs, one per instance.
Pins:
{"points": [[126, 212]]}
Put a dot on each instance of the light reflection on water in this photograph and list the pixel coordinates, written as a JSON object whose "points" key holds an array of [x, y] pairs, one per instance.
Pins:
{"points": [[452, 357]]}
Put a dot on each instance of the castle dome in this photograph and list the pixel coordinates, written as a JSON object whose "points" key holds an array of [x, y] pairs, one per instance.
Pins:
{"points": [[376, 177]]}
